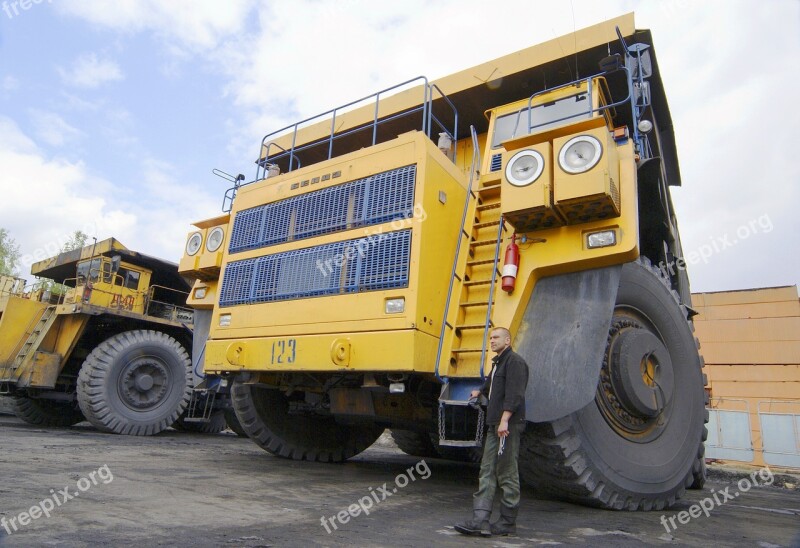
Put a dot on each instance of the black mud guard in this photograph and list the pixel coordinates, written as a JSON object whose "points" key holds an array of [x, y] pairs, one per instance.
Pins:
{"points": [[202, 327], [562, 337]]}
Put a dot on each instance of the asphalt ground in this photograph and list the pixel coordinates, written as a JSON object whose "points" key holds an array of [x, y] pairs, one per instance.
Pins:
{"points": [[181, 489]]}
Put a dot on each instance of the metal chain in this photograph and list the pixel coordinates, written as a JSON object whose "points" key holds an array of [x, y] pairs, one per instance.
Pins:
{"points": [[441, 422], [481, 425]]}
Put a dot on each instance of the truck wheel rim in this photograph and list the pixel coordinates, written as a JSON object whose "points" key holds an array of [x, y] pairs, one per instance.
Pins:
{"points": [[144, 383], [636, 381]]}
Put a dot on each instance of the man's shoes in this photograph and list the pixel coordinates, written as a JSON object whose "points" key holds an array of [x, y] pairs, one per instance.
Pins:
{"points": [[479, 524], [507, 523]]}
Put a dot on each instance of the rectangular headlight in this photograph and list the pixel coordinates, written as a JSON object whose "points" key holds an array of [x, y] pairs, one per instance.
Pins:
{"points": [[200, 293], [605, 238], [395, 306], [224, 320]]}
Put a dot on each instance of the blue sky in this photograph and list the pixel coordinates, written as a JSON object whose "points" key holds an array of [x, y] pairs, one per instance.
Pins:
{"points": [[113, 114]]}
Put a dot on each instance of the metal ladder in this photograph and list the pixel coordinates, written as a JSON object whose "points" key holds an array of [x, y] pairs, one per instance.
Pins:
{"points": [[36, 336], [467, 318]]}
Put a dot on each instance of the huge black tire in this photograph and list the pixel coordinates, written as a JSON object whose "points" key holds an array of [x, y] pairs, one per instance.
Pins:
{"points": [[416, 444], [46, 412], [699, 470], [215, 424], [264, 415], [233, 423], [136, 383], [461, 454], [623, 450]]}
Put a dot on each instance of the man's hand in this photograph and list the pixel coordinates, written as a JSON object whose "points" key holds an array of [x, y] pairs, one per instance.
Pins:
{"points": [[475, 393], [502, 428]]}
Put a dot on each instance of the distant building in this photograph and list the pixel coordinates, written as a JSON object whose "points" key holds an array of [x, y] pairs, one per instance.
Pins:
{"points": [[750, 341]]}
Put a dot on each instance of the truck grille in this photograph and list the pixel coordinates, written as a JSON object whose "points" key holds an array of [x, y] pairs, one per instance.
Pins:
{"points": [[369, 201], [376, 262]]}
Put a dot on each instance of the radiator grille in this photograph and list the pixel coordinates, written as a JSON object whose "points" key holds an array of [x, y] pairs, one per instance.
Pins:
{"points": [[373, 200], [372, 263], [497, 162]]}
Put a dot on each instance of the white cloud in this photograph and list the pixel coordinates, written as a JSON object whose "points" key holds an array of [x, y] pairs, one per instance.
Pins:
{"points": [[52, 128], [45, 200], [193, 24], [13, 141], [88, 71]]}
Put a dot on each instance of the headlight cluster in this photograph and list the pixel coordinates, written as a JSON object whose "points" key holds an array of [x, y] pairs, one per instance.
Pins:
{"points": [[578, 155], [213, 242], [524, 168], [194, 243], [215, 238]]}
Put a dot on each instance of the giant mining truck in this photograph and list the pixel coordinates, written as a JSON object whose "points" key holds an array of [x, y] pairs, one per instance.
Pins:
{"points": [[351, 285], [104, 336]]}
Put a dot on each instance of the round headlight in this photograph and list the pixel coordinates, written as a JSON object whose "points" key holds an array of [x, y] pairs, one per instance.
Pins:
{"points": [[524, 168], [194, 243], [215, 238], [580, 154]]}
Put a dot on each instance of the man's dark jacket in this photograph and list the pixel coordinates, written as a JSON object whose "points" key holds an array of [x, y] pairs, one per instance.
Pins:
{"points": [[508, 393]]}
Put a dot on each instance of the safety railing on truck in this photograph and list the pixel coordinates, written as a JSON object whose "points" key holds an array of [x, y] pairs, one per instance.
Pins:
{"points": [[428, 123], [160, 309], [586, 87], [154, 302], [9, 285]]}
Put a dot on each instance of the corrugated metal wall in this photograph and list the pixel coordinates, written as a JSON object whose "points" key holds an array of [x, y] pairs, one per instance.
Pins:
{"points": [[751, 344]]}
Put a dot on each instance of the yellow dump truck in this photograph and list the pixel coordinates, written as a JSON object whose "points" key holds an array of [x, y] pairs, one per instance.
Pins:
{"points": [[106, 339], [351, 285]]}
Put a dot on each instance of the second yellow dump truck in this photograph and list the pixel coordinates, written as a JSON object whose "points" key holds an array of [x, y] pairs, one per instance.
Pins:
{"points": [[351, 285], [107, 339]]}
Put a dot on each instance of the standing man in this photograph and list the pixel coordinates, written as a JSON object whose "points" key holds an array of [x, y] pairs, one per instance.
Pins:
{"points": [[505, 418]]}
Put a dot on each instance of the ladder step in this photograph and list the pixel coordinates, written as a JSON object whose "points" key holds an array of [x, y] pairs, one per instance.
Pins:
{"points": [[478, 243], [484, 207], [466, 350], [477, 282], [475, 303], [489, 187], [472, 326], [483, 261], [484, 225]]}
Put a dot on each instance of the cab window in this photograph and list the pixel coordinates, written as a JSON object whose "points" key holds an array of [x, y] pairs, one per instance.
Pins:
{"points": [[543, 116], [126, 278], [92, 271]]}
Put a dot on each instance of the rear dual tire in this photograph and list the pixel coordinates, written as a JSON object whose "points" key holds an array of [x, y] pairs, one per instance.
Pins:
{"points": [[264, 415], [41, 412]]}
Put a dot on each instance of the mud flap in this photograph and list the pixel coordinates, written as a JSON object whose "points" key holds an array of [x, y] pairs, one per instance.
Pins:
{"points": [[562, 338], [202, 327]]}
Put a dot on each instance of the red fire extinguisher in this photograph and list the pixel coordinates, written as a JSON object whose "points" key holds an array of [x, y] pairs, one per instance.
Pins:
{"points": [[511, 265]]}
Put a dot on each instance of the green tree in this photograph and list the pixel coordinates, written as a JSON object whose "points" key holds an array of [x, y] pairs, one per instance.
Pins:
{"points": [[76, 241], [9, 254]]}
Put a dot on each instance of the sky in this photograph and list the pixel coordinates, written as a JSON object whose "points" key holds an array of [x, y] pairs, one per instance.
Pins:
{"points": [[113, 114]]}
